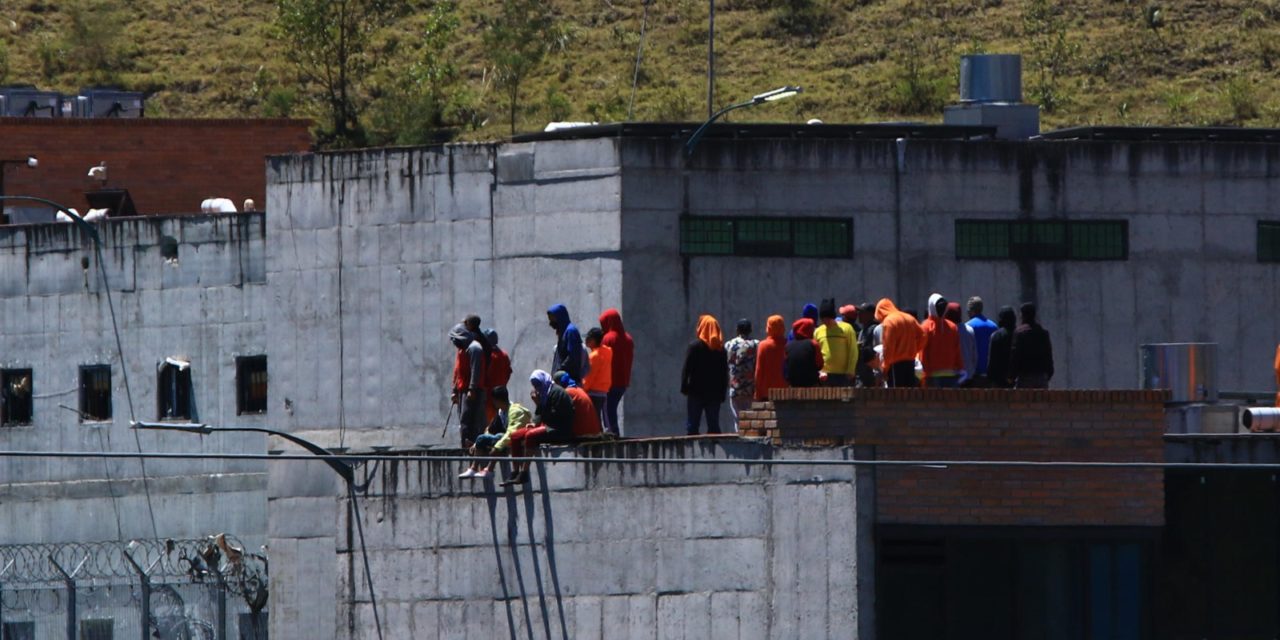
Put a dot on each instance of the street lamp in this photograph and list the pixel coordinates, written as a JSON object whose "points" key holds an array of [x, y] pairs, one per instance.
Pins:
{"points": [[768, 96], [328, 457], [30, 161]]}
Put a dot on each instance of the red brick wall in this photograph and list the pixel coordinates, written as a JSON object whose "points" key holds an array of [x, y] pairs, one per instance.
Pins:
{"points": [[925, 424], [169, 166]]}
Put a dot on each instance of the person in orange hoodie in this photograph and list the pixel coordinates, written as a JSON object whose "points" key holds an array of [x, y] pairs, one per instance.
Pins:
{"points": [[705, 377], [771, 357], [940, 353], [600, 377], [901, 337]]}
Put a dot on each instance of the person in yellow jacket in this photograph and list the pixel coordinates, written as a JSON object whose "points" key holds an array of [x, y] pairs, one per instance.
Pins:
{"points": [[839, 343], [497, 440]]}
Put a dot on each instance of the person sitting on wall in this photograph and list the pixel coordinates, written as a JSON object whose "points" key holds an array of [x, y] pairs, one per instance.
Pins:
{"points": [[555, 413], [586, 421], [512, 416]]}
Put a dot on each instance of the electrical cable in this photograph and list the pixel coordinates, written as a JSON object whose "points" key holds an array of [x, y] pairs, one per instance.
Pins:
{"points": [[368, 575], [453, 458], [635, 74], [124, 373]]}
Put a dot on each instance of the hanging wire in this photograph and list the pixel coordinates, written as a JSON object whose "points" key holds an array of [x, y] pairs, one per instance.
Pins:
{"points": [[635, 74]]}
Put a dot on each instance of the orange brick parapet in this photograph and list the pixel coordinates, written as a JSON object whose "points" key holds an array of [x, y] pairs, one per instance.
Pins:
{"points": [[1011, 425]]}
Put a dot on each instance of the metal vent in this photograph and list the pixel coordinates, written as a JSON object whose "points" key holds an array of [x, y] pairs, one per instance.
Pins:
{"points": [[991, 78]]}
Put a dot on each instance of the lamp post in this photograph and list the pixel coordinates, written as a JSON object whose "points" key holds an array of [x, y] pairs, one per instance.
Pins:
{"points": [[341, 467], [711, 57], [30, 161], [768, 96]]}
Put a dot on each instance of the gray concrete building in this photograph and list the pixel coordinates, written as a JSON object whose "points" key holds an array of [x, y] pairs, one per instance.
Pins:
{"points": [[1122, 237]]}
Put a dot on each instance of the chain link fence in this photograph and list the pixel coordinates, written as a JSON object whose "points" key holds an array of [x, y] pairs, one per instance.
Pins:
{"points": [[209, 589]]}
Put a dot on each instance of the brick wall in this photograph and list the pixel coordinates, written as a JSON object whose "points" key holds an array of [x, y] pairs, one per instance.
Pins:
{"points": [[936, 424], [169, 166]]}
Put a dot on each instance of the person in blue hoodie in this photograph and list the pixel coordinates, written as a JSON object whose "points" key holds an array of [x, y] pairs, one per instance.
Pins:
{"points": [[809, 311], [569, 354]]}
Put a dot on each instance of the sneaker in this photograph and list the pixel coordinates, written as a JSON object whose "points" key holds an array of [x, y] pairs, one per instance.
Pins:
{"points": [[469, 473], [482, 474]]}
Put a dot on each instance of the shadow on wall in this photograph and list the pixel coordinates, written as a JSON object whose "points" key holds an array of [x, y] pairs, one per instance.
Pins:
{"points": [[513, 495]]}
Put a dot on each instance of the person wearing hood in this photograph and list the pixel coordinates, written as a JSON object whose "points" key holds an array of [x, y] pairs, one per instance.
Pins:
{"points": [[569, 356], [901, 339], [810, 311], [704, 379], [771, 358], [968, 344], [982, 330], [468, 382], [741, 352], [1031, 355], [998, 351], [497, 372], [554, 411], [586, 422], [624, 348], [839, 344], [804, 356], [940, 352]]}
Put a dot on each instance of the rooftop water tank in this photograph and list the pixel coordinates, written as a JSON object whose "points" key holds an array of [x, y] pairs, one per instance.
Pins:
{"points": [[991, 77]]}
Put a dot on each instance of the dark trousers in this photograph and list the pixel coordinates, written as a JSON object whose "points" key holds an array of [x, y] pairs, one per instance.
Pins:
{"points": [[838, 380], [943, 382], [903, 374], [697, 407], [599, 402], [472, 418], [1032, 381], [611, 407]]}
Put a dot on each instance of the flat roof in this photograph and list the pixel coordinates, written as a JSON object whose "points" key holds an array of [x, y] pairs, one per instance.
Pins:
{"points": [[722, 130], [1165, 134]]}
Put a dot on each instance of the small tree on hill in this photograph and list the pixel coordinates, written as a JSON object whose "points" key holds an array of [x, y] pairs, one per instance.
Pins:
{"points": [[516, 41], [329, 42]]}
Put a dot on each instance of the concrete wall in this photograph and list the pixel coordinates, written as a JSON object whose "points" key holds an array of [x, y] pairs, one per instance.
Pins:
{"points": [[1192, 272], [377, 254], [207, 306], [602, 550]]}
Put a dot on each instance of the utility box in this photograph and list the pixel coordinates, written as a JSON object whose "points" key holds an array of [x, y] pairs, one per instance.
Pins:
{"points": [[104, 103], [28, 102]]}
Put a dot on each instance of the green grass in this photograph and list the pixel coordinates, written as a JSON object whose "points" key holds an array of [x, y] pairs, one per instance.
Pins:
{"points": [[1203, 62]]}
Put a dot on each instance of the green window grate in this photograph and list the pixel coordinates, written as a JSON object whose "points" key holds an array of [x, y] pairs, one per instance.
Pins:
{"points": [[766, 237], [1042, 239], [1268, 241]]}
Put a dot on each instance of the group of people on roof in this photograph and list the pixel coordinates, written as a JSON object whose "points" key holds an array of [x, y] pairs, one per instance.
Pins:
{"points": [[578, 399], [862, 345]]}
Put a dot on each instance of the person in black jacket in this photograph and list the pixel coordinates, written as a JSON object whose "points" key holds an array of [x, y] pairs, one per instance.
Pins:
{"points": [[998, 355], [554, 413], [705, 379], [1031, 356], [804, 356]]}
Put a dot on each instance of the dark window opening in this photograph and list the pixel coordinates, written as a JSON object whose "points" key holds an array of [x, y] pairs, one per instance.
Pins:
{"points": [[1268, 241], [16, 395], [169, 249], [18, 631], [97, 629], [174, 391], [251, 385], [766, 237], [253, 626], [1042, 239], [95, 393]]}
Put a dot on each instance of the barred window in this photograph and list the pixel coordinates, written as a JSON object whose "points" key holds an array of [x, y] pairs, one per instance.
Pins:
{"points": [[1042, 239], [757, 236], [1268, 241], [15, 397], [95, 393], [251, 385]]}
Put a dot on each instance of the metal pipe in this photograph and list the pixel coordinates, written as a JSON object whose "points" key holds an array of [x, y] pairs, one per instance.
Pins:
{"points": [[145, 582], [1259, 419]]}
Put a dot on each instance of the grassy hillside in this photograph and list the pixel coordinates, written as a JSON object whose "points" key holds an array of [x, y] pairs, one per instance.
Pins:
{"points": [[1088, 61]]}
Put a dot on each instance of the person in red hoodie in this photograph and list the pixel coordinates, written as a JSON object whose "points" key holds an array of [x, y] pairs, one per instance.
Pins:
{"points": [[498, 373], [940, 354], [623, 347], [771, 357]]}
